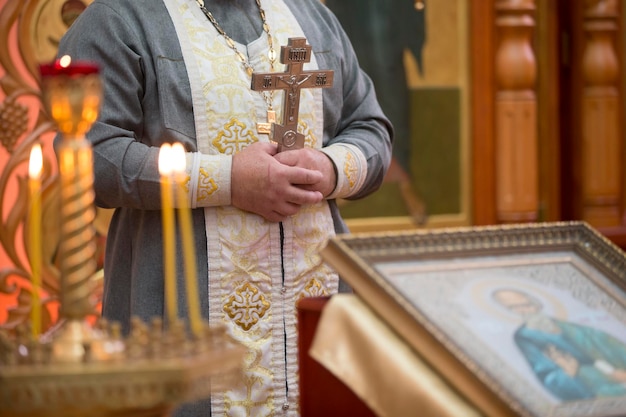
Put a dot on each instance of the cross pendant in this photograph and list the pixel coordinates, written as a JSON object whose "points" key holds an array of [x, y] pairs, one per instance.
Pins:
{"points": [[265, 128], [294, 55]]}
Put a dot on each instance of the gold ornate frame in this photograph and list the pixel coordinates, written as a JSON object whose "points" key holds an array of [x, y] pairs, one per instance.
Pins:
{"points": [[421, 283]]}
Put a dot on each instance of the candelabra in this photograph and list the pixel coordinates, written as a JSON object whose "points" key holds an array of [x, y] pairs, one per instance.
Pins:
{"points": [[79, 369]]}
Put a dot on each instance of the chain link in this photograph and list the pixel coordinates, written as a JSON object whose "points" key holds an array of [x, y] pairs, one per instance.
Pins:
{"points": [[240, 56]]}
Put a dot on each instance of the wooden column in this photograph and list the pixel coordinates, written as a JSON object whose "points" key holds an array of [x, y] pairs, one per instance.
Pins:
{"points": [[516, 113], [601, 144]]}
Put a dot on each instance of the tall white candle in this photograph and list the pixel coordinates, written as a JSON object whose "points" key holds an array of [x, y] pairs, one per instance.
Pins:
{"points": [[34, 239], [186, 230], [169, 243]]}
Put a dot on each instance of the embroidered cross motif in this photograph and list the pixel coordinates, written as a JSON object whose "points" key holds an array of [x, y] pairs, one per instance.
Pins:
{"points": [[294, 55], [247, 306]]}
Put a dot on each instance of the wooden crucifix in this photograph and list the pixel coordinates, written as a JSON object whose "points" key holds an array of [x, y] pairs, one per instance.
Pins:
{"points": [[295, 54]]}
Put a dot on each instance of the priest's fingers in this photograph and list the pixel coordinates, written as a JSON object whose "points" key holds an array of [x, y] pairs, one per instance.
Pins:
{"points": [[275, 202], [298, 196], [260, 184], [300, 176], [305, 158], [269, 148], [277, 209], [312, 159]]}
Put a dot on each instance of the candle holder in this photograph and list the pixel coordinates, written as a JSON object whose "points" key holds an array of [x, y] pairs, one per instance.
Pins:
{"points": [[79, 369], [71, 94]]}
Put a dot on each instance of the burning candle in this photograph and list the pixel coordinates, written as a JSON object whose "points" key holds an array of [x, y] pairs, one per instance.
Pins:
{"points": [[186, 230], [34, 239], [70, 118], [169, 243]]}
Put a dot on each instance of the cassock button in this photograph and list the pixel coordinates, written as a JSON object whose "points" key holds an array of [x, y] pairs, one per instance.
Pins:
{"points": [[283, 290], [285, 406]]}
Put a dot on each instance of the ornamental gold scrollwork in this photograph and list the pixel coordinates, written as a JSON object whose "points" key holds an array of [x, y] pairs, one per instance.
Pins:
{"points": [[29, 35]]}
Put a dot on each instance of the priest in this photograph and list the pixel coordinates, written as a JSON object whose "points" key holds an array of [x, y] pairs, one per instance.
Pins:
{"points": [[180, 71]]}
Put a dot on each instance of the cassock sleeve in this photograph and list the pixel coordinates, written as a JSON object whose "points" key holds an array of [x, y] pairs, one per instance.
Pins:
{"points": [[146, 102], [357, 134]]}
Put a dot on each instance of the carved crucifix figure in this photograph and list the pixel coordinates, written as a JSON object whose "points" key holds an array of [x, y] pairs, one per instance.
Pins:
{"points": [[294, 55]]}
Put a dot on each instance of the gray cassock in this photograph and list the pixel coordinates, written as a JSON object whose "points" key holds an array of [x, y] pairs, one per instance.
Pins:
{"points": [[380, 31]]}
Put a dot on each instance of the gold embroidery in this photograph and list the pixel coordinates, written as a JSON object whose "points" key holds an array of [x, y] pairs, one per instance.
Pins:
{"points": [[243, 243], [233, 137], [315, 286], [247, 306], [249, 404], [245, 264], [314, 289], [255, 356], [206, 185], [350, 170], [310, 141], [246, 231], [183, 186]]}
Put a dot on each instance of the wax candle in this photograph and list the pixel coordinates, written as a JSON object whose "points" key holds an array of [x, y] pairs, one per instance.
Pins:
{"points": [[186, 231], [169, 242], [34, 238]]}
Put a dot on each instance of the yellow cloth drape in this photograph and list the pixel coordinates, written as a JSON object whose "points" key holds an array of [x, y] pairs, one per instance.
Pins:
{"points": [[354, 344]]}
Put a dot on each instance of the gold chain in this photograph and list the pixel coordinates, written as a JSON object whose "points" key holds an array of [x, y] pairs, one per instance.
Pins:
{"points": [[242, 58]]}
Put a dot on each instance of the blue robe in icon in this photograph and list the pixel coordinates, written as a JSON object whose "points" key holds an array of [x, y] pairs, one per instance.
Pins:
{"points": [[595, 351]]}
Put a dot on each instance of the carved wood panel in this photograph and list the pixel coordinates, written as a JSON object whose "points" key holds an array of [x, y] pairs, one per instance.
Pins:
{"points": [[517, 197], [592, 101], [561, 125], [601, 131], [30, 31]]}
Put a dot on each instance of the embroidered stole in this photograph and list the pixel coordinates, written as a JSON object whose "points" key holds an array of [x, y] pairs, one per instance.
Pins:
{"points": [[257, 270]]}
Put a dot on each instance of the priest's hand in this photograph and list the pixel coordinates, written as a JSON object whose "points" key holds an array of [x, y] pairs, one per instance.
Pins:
{"points": [[263, 185], [312, 159]]}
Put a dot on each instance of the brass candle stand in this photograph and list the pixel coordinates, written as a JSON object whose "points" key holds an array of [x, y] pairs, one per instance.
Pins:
{"points": [[146, 374], [79, 369]]}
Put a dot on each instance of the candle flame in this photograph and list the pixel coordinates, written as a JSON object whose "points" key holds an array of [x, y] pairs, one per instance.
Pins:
{"points": [[36, 161], [165, 159], [65, 61], [179, 164]]}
